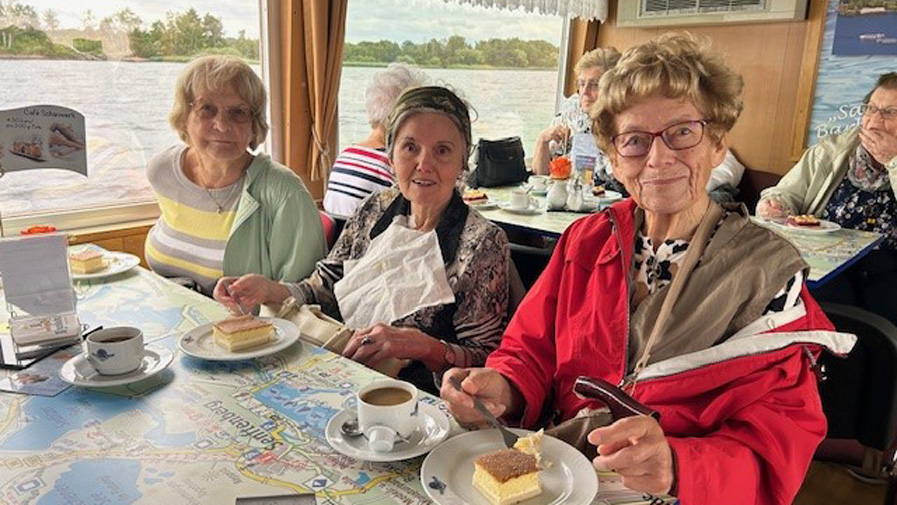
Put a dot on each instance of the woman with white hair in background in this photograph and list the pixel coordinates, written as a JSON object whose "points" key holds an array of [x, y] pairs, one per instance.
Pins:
{"points": [[363, 168]]}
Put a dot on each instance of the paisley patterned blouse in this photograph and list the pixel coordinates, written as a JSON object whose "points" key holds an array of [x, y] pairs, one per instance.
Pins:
{"points": [[476, 256]]}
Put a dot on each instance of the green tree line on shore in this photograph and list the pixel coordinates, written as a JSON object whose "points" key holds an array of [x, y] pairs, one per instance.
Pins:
{"points": [[456, 51], [28, 33], [854, 7]]}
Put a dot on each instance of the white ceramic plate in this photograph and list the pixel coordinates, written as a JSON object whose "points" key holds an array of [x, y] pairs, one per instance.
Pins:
{"points": [[487, 205], [529, 211], [200, 343], [567, 476], [609, 197], [116, 263], [824, 227], [79, 372], [434, 428]]}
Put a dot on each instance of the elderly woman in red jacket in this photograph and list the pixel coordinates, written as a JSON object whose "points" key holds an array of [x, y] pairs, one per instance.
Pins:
{"points": [[702, 315]]}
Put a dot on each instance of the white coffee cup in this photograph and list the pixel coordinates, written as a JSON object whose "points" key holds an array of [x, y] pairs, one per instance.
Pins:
{"points": [[521, 200], [387, 409], [539, 182], [115, 351]]}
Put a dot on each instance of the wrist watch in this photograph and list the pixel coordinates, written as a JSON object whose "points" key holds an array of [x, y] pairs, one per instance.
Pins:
{"points": [[449, 353]]}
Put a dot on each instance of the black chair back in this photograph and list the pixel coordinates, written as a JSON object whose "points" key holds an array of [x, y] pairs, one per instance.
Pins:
{"points": [[858, 396]]}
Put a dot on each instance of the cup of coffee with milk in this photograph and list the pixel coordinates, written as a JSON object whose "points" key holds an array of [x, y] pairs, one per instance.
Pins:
{"points": [[387, 412]]}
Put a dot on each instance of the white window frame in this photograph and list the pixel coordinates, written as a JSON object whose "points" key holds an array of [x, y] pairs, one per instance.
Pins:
{"points": [[562, 64]]}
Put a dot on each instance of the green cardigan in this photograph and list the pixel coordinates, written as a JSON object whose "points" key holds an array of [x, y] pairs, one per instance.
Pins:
{"points": [[277, 230]]}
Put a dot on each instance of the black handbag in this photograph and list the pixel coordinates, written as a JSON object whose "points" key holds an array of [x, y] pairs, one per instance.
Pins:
{"points": [[499, 163]]}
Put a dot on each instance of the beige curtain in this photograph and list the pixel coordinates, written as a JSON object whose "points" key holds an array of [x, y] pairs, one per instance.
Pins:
{"points": [[312, 38], [583, 37]]}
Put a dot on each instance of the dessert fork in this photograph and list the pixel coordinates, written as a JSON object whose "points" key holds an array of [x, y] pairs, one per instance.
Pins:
{"points": [[509, 438]]}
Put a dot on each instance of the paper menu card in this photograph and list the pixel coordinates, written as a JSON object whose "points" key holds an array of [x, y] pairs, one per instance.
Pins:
{"points": [[36, 278], [42, 136]]}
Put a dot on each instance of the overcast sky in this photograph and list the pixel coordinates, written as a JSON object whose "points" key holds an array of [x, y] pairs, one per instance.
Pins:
{"points": [[398, 20]]}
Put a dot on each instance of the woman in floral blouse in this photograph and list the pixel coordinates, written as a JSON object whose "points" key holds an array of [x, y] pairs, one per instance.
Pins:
{"points": [[851, 179]]}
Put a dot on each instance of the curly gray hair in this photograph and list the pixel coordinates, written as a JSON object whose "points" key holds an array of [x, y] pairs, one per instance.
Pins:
{"points": [[385, 88]]}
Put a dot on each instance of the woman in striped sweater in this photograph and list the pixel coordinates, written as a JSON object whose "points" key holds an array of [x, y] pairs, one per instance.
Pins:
{"points": [[363, 168]]}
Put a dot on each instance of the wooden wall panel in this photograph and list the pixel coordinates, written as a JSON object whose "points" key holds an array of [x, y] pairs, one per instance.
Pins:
{"points": [[769, 57]]}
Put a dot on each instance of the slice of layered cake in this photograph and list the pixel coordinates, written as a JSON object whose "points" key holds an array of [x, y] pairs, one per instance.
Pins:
{"points": [[508, 476], [806, 220], [87, 261], [242, 332], [475, 197]]}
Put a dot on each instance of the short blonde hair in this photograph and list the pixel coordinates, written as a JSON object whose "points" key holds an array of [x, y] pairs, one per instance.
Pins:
{"points": [[604, 57], [677, 66], [216, 73]]}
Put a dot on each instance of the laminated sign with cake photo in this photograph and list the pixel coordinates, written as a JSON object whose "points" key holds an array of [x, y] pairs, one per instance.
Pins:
{"points": [[43, 136]]}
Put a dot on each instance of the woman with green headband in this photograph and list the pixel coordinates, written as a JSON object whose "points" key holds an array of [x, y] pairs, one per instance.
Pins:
{"points": [[421, 276]]}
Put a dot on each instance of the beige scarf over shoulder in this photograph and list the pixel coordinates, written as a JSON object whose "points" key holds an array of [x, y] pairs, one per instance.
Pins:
{"points": [[724, 283]]}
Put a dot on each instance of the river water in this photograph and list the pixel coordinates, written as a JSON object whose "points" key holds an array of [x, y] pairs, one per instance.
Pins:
{"points": [[126, 107]]}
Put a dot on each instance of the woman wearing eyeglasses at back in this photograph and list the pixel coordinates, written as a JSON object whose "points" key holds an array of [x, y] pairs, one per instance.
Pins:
{"points": [[573, 118], [226, 211], [701, 312], [851, 179]]}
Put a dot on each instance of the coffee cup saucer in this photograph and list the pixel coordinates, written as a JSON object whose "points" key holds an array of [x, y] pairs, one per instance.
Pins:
{"points": [[431, 431], [531, 209], [79, 372]]}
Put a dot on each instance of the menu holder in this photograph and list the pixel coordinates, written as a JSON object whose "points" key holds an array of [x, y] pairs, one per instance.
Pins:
{"points": [[40, 299]]}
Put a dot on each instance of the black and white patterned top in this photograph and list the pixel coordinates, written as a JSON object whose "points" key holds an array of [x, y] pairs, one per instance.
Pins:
{"points": [[852, 207], [654, 270], [476, 256]]}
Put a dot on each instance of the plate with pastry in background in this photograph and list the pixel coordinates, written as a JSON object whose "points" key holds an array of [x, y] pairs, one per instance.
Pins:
{"points": [[94, 263], [809, 223], [239, 337], [606, 196], [478, 199]]}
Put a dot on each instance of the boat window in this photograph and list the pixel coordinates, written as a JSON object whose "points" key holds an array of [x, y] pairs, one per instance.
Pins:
{"points": [[116, 63], [504, 62]]}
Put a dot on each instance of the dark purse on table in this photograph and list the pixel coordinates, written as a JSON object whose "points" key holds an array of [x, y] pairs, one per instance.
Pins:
{"points": [[499, 163]]}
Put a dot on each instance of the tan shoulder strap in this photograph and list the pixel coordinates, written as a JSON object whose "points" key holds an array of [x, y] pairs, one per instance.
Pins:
{"points": [[695, 250]]}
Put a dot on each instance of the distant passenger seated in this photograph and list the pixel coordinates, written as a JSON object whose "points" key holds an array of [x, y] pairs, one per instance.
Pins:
{"points": [[851, 179], [573, 119], [225, 210], [363, 168]]}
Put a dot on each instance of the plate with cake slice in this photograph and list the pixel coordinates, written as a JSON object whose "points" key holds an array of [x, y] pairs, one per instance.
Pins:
{"points": [[810, 224], [239, 337], [93, 263], [477, 468]]}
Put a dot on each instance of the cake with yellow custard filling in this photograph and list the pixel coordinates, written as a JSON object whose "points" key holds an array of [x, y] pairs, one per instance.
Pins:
{"points": [[509, 476], [242, 332], [87, 261]]}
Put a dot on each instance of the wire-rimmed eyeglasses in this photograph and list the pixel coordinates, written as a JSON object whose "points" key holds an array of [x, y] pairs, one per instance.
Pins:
{"points": [[886, 113], [677, 137], [207, 111]]}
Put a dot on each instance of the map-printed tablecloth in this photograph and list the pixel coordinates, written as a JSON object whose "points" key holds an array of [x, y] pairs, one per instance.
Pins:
{"points": [[200, 433]]}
